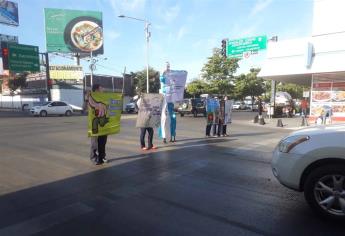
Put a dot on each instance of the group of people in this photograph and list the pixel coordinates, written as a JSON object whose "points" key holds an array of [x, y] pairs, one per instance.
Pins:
{"points": [[218, 116]]}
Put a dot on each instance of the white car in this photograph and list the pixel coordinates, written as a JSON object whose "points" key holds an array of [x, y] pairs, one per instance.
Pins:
{"points": [[52, 108], [239, 106], [312, 160]]}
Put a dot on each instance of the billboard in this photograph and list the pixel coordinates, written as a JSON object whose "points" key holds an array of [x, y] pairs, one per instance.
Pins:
{"points": [[71, 31], [9, 13], [66, 72]]}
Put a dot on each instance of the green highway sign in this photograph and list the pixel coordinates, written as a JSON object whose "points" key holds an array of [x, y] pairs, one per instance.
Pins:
{"points": [[23, 58], [237, 47]]}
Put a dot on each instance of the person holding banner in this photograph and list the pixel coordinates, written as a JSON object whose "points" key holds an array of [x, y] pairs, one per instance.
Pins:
{"points": [[149, 117], [97, 152], [103, 119], [227, 115]]}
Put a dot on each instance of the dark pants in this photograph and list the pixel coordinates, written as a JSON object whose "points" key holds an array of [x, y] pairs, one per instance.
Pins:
{"points": [[216, 129], [150, 137], [208, 130], [102, 141], [224, 130]]}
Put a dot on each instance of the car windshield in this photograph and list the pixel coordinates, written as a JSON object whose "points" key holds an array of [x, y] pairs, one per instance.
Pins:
{"points": [[44, 104]]}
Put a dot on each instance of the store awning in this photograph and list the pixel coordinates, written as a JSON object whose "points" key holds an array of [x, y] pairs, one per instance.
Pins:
{"points": [[296, 61]]}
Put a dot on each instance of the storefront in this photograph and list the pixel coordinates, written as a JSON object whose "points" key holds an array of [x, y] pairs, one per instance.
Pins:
{"points": [[316, 61]]}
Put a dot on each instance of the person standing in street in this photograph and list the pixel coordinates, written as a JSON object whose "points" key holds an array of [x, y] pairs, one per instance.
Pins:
{"points": [[98, 143], [150, 133], [304, 107]]}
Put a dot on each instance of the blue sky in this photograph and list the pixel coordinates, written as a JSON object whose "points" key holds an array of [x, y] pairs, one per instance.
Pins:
{"points": [[183, 32]]}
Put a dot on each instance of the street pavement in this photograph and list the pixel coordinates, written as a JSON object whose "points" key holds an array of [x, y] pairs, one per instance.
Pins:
{"points": [[196, 186]]}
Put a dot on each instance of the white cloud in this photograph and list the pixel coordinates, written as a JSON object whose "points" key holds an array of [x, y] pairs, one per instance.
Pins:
{"points": [[259, 7], [171, 13], [182, 31]]}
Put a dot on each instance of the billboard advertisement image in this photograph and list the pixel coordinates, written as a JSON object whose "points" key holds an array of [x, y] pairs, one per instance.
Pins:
{"points": [[71, 31], [9, 13]]}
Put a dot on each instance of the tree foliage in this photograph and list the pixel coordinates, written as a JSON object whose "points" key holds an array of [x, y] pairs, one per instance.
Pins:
{"points": [[218, 72], [197, 87], [249, 85], [139, 81], [295, 90]]}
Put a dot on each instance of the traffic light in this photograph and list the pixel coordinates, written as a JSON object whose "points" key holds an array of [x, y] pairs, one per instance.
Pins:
{"points": [[5, 53], [223, 48]]}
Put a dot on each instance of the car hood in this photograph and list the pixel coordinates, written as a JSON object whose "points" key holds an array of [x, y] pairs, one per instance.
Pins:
{"points": [[321, 129]]}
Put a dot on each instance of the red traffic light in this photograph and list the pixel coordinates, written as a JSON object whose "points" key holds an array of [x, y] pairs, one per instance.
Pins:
{"points": [[5, 52]]}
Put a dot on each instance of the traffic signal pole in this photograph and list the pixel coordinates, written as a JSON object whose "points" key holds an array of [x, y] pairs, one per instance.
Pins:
{"points": [[48, 81]]}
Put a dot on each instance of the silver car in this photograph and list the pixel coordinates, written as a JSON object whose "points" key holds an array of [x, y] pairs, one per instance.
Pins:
{"points": [[52, 108]]}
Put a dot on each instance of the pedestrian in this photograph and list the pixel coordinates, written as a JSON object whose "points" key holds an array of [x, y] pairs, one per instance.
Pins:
{"points": [[172, 116], [98, 143], [260, 107], [143, 131], [217, 121], [227, 115], [304, 107], [209, 116]]}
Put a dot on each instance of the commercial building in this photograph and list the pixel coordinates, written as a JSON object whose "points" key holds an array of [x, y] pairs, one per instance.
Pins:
{"points": [[316, 61]]}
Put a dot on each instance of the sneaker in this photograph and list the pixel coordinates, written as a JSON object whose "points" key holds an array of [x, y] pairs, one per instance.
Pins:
{"points": [[144, 148], [105, 160]]}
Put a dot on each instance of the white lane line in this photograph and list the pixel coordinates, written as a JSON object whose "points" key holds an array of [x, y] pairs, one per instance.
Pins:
{"points": [[45, 221]]}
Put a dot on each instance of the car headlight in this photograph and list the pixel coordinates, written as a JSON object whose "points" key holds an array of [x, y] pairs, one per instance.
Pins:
{"points": [[289, 143]]}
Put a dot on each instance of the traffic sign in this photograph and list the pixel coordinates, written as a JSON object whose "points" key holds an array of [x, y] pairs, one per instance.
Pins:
{"points": [[23, 58], [238, 47]]}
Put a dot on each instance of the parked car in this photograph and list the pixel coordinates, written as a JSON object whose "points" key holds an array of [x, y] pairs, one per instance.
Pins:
{"points": [[131, 107], [239, 106], [193, 106], [52, 108], [312, 160]]}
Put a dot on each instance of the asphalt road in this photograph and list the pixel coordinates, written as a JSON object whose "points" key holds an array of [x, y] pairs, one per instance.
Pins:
{"points": [[196, 186]]}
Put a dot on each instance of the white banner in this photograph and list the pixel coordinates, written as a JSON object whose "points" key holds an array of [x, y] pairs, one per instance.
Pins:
{"points": [[150, 111], [173, 85]]}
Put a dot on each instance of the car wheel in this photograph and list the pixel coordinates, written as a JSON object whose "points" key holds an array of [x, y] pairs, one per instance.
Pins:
{"points": [[324, 190], [68, 113], [43, 113], [182, 115]]}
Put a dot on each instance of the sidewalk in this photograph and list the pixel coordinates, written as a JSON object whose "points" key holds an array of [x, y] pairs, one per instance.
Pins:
{"points": [[294, 123]]}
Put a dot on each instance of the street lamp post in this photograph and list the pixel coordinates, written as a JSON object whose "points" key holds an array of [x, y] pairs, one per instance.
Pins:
{"points": [[147, 36]]}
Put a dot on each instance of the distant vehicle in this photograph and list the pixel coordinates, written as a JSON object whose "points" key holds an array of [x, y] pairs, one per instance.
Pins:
{"points": [[132, 107], [239, 106], [52, 108], [253, 107], [193, 106], [312, 160]]}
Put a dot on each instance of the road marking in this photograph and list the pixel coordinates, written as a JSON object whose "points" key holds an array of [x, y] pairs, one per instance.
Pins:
{"points": [[45, 221]]}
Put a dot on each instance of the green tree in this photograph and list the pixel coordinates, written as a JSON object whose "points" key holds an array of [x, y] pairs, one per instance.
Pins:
{"points": [[218, 72], [295, 90], [139, 81], [249, 85], [197, 87]]}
